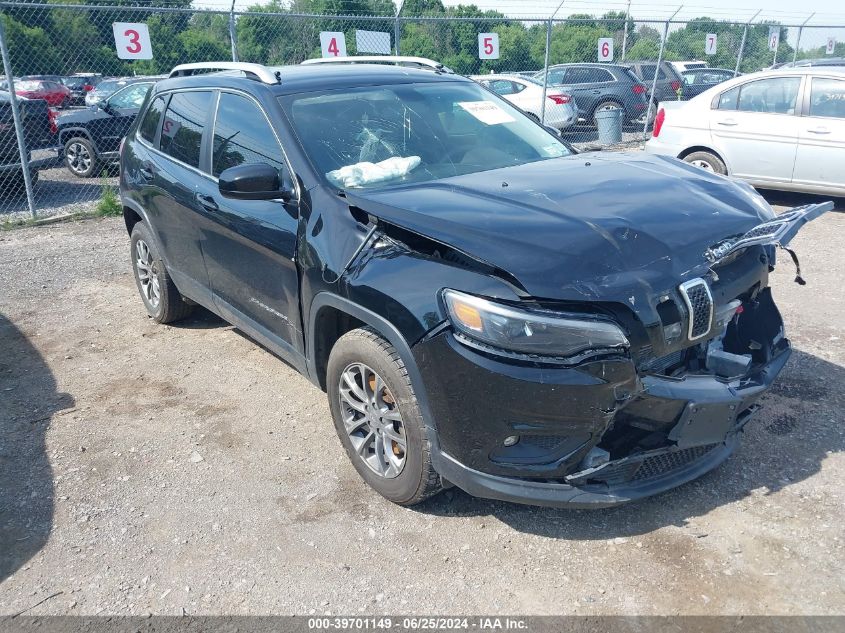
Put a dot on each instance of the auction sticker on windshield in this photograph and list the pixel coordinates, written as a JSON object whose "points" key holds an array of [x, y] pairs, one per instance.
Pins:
{"points": [[487, 112]]}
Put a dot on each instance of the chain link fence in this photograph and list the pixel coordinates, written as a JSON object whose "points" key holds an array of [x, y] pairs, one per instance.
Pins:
{"points": [[73, 97]]}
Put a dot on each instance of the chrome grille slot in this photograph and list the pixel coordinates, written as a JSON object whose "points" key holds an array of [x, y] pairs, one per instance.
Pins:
{"points": [[699, 302]]}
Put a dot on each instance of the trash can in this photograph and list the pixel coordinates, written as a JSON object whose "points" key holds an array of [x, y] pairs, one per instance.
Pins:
{"points": [[609, 124]]}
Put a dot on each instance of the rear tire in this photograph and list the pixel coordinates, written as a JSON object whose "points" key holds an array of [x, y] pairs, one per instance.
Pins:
{"points": [[162, 300], [708, 162], [378, 419], [81, 157]]}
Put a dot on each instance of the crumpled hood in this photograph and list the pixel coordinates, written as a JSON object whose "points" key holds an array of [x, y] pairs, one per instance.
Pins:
{"points": [[604, 227]]}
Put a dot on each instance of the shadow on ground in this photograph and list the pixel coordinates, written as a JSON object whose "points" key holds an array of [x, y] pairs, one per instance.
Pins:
{"points": [[28, 401], [791, 199], [786, 443]]}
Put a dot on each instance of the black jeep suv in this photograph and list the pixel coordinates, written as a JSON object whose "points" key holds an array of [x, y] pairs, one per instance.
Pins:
{"points": [[90, 137], [484, 308]]}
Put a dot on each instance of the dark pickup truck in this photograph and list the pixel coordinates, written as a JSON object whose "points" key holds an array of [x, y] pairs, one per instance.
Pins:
{"points": [[38, 134]]}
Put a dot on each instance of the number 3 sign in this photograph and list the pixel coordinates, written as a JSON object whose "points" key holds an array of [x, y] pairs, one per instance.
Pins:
{"points": [[132, 40]]}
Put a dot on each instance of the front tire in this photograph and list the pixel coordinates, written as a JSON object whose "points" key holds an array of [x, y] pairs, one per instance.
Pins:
{"points": [[162, 300], [707, 162], [81, 157], [378, 419]]}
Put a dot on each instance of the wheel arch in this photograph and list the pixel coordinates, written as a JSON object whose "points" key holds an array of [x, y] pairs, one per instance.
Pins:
{"points": [[704, 148], [329, 311], [67, 134]]}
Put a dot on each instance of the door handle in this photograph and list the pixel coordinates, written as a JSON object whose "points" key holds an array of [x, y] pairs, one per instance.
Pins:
{"points": [[819, 130], [146, 170], [207, 202], [728, 122]]}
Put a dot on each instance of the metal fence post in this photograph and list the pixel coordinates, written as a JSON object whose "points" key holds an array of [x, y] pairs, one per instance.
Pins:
{"points": [[656, 73], [233, 38], [546, 70], [742, 42], [16, 116], [625, 32], [800, 32]]}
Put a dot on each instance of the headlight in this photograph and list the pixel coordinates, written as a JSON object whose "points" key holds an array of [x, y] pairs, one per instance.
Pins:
{"points": [[528, 333]]}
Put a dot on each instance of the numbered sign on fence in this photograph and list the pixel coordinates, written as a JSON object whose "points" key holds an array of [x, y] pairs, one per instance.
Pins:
{"points": [[774, 37], [488, 46], [710, 44], [831, 46], [132, 40], [372, 42], [605, 49], [333, 44]]}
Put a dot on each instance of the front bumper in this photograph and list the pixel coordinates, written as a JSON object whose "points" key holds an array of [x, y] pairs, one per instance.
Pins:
{"points": [[562, 414]]}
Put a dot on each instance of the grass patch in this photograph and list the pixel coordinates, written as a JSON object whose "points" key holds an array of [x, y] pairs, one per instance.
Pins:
{"points": [[109, 203]]}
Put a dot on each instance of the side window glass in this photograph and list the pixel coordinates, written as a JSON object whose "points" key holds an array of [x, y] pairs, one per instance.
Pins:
{"points": [[728, 100], [130, 97], [517, 88], [149, 125], [774, 96], [556, 76], [242, 135], [184, 120], [647, 71], [827, 98], [502, 87]]}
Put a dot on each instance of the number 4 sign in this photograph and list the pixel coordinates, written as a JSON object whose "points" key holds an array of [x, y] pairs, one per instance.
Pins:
{"points": [[333, 44], [710, 44], [132, 40], [488, 46], [605, 49]]}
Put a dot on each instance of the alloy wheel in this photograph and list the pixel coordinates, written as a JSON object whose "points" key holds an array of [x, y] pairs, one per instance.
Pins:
{"points": [[147, 273], [78, 158], [372, 420]]}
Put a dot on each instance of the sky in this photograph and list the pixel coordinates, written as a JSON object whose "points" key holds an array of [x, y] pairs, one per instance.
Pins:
{"points": [[827, 12]]}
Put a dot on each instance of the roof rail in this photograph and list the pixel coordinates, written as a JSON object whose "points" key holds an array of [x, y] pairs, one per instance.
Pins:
{"points": [[399, 60], [253, 71]]}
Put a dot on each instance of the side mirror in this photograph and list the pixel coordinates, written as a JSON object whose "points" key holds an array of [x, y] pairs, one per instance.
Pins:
{"points": [[253, 181]]}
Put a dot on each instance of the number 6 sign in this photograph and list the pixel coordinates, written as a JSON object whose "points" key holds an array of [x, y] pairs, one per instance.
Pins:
{"points": [[605, 49], [132, 40], [488, 46]]}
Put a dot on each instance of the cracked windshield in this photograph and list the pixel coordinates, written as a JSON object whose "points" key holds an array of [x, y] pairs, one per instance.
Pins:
{"points": [[414, 133]]}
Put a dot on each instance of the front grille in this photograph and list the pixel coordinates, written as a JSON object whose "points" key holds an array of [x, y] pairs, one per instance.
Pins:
{"points": [[657, 465], [699, 301], [660, 365], [544, 442]]}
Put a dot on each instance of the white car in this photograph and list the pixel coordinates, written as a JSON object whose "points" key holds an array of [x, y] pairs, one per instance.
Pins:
{"points": [[526, 93], [690, 65], [779, 129]]}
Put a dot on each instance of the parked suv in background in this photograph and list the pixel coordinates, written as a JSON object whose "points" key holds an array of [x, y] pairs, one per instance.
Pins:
{"points": [[38, 133], [597, 87], [90, 137], [483, 307], [110, 85], [80, 85], [669, 82]]}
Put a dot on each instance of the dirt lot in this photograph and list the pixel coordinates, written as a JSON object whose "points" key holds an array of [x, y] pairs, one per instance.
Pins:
{"points": [[169, 470]]}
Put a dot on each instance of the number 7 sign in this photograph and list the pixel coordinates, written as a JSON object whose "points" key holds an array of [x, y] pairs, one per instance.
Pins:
{"points": [[132, 40], [710, 44], [488, 46]]}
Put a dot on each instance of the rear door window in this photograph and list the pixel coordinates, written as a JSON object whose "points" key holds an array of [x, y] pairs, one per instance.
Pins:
{"points": [[827, 98], [184, 122], [777, 95]]}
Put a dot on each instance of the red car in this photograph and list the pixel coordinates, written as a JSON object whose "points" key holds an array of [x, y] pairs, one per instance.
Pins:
{"points": [[54, 93]]}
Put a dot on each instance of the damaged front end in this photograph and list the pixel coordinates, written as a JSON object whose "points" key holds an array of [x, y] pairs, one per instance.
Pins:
{"points": [[611, 425]]}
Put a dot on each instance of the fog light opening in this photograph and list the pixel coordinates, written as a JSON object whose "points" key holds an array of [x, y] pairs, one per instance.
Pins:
{"points": [[510, 440]]}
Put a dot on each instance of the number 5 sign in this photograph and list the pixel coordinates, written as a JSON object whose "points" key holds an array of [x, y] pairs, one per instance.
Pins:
{"points": [[605, 49], [488, 46], [132, 40], [710, 44]]}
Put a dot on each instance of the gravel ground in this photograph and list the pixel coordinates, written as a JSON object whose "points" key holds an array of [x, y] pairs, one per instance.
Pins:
{"points": [[170, 470]]}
